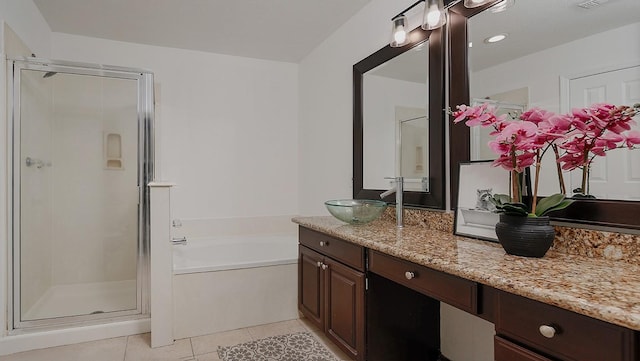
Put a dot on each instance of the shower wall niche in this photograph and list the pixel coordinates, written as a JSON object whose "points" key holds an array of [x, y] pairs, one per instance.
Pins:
{"points": [[80, 164]]}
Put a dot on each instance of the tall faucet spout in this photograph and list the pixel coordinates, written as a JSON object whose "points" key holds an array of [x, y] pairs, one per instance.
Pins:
{"points": [[386, 193], [398, 188]]}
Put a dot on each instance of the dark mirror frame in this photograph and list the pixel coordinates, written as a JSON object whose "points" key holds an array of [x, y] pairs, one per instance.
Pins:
{"points": [[435, 198], [607, 213]]}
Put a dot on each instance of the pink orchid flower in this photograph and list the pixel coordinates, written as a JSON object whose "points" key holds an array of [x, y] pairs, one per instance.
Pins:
{"points": [[632, 138]]}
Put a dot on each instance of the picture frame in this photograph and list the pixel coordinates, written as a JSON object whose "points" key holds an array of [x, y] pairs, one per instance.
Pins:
{"points": [[474, 216]]}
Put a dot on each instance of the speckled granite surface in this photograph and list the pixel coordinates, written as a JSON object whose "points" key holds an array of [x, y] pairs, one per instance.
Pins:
{"points": [[603, 289], [577, 241], [435, 220], [598, 244]]}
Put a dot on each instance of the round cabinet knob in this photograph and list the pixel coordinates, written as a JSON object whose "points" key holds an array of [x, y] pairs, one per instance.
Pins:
{"points": [[319, 264], [324, 266], [547, 331], [323, 243], [409, 275]]}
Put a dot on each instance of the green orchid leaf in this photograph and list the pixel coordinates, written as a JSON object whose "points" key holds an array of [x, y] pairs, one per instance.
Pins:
{"points": [[547, 203], [564, 204], [515, 209]]}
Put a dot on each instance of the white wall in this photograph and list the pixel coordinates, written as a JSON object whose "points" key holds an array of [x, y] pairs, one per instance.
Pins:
{"points": [[25, 19], [326, 97], [226, 126]]}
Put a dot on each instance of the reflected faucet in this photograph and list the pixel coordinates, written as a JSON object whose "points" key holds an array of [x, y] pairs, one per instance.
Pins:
{"points": [[398, 188]]}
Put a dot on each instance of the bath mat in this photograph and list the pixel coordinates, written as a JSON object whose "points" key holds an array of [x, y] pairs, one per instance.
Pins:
{"points": [[291, 347]]}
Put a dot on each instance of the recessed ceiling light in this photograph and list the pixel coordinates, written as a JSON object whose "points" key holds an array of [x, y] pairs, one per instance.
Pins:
{"points": [[495, 38]]}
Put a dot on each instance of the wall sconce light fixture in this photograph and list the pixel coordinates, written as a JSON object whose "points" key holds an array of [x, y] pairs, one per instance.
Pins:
{"points": [[434, 17], [399, 34]]}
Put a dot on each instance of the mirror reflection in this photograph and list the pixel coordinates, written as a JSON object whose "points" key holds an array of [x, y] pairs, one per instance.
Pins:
{"points": [[560, 55], [395, 122]]}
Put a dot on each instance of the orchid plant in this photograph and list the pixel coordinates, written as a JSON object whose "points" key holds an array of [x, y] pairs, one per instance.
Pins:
{"points": [[580, 136], [594, 131]]}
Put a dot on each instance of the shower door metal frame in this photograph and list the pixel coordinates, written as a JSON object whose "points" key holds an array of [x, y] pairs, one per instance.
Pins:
{"points": [[146, 170]]}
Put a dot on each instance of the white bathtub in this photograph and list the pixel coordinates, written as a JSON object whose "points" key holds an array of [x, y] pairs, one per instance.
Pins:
{"points": [[222, 284], [234, 252]]}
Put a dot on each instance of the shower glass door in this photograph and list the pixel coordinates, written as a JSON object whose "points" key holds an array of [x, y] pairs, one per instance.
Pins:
{"points": [[80, 165]]}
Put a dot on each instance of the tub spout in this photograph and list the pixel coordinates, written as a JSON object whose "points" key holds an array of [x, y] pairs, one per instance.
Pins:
{"points": [[177, 240]]}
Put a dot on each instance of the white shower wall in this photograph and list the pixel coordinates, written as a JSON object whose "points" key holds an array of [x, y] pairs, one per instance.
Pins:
{"points": [[79, 218], [95, 221], [37, 245]]}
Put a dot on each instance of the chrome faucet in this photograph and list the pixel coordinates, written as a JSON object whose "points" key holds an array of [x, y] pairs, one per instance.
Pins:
{"points": [[398, 188]]}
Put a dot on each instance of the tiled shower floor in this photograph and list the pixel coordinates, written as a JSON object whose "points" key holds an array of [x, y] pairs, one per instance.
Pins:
{"points": [[201, 348]]}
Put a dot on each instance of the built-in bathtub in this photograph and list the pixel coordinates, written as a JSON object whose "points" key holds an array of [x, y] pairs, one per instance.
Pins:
{"points": [[232, 282]]}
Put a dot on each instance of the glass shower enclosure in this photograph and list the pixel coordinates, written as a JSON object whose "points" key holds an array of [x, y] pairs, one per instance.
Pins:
{"points": [[81, 158]]}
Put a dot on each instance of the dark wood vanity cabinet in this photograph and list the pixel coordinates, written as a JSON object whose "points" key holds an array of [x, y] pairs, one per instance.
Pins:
{"points": [[453, 290], [532, 330], [331, 289]]}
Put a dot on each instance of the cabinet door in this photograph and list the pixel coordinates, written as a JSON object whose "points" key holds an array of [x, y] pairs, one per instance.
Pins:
{"points": [[344, 319], [311, 286]]}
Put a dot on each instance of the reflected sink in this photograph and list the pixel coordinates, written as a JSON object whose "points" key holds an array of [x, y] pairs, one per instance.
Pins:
{"points": [[356, 211]]}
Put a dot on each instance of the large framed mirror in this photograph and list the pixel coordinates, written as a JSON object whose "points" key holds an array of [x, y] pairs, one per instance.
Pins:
{"points": [[557, 55], [398, 114]]}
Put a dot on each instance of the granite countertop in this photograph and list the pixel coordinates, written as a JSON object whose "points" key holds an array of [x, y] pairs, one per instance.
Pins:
{"points": [[602, 289]]}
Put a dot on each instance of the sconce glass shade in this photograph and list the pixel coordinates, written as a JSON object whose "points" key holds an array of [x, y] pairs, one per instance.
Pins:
{"points": [[434, 15], [399, 36], [475, 3]]}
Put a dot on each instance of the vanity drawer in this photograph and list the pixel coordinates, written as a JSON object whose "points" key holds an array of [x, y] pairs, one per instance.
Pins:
{"points": [[453, 290], [507, 351], [569, 336], [340, 250]]}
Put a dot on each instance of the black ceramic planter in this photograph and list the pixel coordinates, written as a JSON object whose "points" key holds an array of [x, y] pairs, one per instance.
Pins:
{"points": [[525, 236]]}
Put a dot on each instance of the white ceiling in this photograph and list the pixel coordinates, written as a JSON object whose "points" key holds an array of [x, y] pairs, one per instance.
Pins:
{"points": [[534, 25], [283, 30]]}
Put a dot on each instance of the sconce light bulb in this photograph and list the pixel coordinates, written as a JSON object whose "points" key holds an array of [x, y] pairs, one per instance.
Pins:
{"points": [[433, 16], [400, 35]]}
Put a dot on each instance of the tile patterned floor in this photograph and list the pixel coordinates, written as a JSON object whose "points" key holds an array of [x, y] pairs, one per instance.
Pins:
{"points": [[201, 348]]}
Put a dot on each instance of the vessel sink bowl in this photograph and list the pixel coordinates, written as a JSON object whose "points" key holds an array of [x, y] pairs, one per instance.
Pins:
{"points": [[356, 211]]}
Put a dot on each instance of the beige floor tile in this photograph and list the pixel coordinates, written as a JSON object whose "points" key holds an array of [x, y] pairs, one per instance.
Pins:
{"points": [[112, 349], [306, 323], [139, 349], [209, 343], [275, 329], [212, 356]]}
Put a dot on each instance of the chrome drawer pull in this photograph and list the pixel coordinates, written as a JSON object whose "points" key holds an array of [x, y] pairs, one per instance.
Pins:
{"points": [[323, 244], [324, 266], [547, 331], [409, 275]]}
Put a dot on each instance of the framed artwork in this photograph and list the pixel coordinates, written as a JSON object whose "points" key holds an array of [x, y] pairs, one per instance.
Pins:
{"points": [[475, 216]]}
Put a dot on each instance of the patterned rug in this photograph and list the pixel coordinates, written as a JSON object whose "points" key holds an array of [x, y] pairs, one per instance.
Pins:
{"points": [[292, 347]]}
